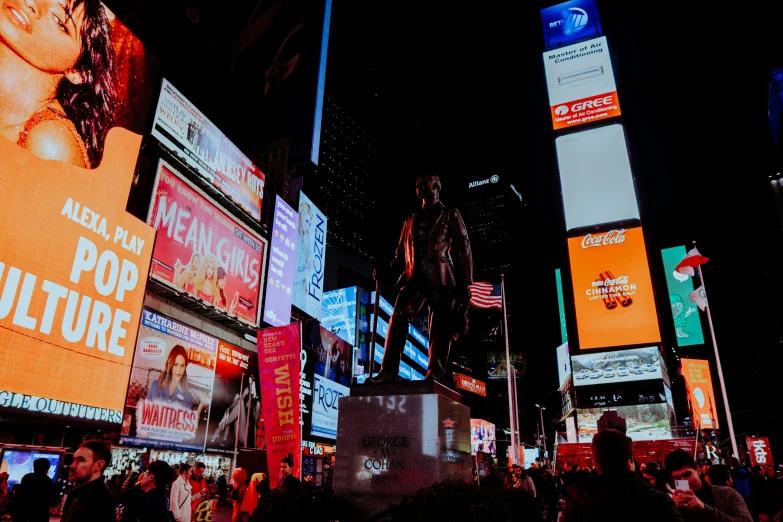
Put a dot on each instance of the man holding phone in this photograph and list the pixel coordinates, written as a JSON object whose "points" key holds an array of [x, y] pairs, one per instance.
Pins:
{"points": [[698, 500]]}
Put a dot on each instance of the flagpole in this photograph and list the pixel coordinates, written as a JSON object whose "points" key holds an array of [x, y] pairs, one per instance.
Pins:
{"points": [[511, 417], [720, 369]]}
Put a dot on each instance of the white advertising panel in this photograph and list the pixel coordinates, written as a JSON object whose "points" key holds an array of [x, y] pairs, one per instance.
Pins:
{"points": [[563, 364], [595, 177], [580, 83], [310, 258], [635, 364], [326, 396]]}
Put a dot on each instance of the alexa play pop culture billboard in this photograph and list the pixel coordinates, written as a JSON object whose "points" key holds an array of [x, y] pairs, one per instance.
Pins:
{"points": [[73, 262]]}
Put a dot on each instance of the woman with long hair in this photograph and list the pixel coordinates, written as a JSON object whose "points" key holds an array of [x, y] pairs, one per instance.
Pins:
{"points": [[206, 280], [185, 275], [172, 384], [222, 302], [57, 99]]}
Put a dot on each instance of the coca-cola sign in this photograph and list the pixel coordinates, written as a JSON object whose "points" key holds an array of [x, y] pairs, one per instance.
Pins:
{"points": [[612, 237]]}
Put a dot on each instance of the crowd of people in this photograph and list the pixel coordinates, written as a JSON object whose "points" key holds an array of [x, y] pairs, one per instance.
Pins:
{"points": [[614, 487], [157, 493]]}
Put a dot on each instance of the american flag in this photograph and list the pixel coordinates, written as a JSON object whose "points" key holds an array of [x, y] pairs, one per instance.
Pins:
{"points": [[485, 295]]}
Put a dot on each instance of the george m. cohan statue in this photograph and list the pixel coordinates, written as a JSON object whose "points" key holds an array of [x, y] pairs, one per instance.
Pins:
{"points": [[433, 265]]}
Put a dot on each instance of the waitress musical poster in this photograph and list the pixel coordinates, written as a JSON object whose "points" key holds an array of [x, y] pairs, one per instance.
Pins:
{"points": [[170, 389]]}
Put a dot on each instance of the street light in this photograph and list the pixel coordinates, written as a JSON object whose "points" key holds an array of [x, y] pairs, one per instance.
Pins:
{"points": [[543, 431]]}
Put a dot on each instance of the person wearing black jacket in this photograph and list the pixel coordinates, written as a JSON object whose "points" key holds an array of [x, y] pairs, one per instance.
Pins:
{"points": [[289, 483], [36, 495], [90, 500], [617, 493], [146, 500]]}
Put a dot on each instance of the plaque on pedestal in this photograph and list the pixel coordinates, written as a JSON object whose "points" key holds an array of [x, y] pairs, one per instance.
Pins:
{"points": [[393, 440]]}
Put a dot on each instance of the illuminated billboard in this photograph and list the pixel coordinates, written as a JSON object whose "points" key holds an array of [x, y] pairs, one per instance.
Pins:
{"points": [[338, 313], [570, 22], [496, 365], [687, 323], [202, 251], [182, 128], [170, 385], [310, 258], [482, 437], [563, 364], [595, 177], [580, 83], [235, 410], [326, 397], [279, 369], [282, 257], [642, 422], [613, 294], [464, 382], [635, 364], [334, 356], [73, 262], [561, 307], [621, 393], [698, 379]]}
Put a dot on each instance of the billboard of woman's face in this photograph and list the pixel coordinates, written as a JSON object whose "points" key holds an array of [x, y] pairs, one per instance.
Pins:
{"points": [[69, 72]]}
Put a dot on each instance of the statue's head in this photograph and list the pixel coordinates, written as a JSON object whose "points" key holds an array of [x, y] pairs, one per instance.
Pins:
{"points": [[427, 185]]}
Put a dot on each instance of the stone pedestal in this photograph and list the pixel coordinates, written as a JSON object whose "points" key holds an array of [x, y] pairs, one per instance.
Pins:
{"points": [[393, 440]]}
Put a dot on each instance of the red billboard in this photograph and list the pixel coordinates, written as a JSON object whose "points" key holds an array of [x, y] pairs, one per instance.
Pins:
{"points": [[470, 384], [200, 250], [279, 363], [760, 454]]}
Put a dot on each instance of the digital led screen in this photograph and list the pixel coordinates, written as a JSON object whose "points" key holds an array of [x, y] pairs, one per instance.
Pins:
{"points": [[685, 314], [406, 372], [471, 384], [326, 396], [496, 365], [595, 177], [338, 313], [561, 307], [310, 258], [282, 257], [334, 356], [570, 22], [613, 294], [635, 364], [170, 388], [18, 463], [182, 128], [202, 251], [563, 364], [419, 357], [580, 83], [621, 393], [642, 422], [73, 262], [482, 437], [386, 307], [698, 379]]}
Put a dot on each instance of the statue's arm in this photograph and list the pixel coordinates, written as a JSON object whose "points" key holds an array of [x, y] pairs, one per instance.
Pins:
{"points": [[397, 265], [460, 248]]}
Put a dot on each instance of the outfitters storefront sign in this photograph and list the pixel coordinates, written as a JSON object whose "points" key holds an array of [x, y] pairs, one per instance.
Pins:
{"points": [[613, 293], [72, 261]]}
